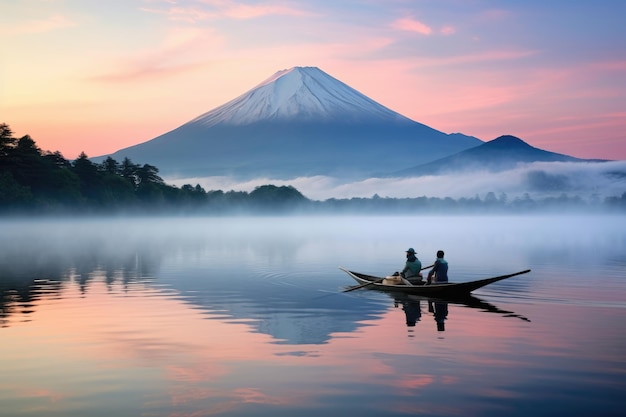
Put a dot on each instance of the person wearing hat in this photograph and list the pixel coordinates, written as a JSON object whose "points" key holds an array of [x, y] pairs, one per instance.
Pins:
{"points": [[412, 267]]}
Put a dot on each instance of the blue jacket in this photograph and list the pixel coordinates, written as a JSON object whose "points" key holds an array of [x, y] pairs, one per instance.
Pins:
{"points": [[440, 270]]}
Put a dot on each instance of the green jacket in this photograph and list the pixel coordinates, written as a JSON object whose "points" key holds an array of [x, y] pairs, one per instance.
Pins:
{"points": [[412, 267]]}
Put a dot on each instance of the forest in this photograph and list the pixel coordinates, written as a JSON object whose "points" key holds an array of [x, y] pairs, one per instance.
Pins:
{"points": [[36, 182]]}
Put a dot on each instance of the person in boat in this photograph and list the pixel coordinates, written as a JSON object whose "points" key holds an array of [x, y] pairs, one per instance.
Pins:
{"points": [[439, 271], [412, 267]]}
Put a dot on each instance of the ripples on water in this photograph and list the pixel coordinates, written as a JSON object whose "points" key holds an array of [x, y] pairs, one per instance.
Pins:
{"points": [[242, 316]]}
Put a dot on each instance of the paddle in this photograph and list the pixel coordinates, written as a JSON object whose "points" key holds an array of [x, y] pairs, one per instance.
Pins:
{"points": [[376, 281]]}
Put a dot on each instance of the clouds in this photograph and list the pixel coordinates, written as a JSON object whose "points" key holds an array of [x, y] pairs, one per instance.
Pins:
{"points": [[524, 68], [175, 54], [410, 24], [40, 25], [193, 11], [538, 179]]}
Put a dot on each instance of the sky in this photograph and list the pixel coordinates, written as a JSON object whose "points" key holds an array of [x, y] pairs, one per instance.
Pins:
{"points": [[96, 76]]}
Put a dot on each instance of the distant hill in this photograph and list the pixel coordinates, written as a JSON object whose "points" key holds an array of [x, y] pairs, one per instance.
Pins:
{"points": [[299, 122], [502, 153]]}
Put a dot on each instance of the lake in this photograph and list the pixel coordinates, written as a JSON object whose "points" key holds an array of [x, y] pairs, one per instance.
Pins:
{"points": [[246, 316]]}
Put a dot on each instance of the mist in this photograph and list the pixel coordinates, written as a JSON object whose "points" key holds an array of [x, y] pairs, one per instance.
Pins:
{"points": [[539, 179]]}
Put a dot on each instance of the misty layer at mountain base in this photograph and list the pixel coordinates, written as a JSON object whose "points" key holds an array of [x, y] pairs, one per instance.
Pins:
{"points": [[589, 181]]}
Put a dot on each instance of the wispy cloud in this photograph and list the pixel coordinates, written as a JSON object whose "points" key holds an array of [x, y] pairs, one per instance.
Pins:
{"points": [[147, 71], [244, 11], [565, 125], [447, 30], [412, 25], [486, 56], [190, 14], [496, 14], [200, 10], [409, 24], [609, 65], [175, 55], [37, 26]]}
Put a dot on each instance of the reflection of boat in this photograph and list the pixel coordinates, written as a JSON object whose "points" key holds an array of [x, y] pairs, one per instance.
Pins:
{"points": [[448, 289], [469, 301]]}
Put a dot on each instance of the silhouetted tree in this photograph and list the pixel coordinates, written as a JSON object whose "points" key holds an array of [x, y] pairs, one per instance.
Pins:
{"points": [[13, 194], [89, 177], [148, 174], [32, 180], [7, 141], [129, 172], [276, 198], [110, 166]]}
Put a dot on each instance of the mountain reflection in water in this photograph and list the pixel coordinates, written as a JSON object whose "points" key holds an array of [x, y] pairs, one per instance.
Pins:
{"points": [[239, 316], [291, 314]]}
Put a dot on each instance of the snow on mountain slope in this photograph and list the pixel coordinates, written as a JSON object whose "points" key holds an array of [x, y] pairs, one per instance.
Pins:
{"points": [[298, 122], [300, 94]]}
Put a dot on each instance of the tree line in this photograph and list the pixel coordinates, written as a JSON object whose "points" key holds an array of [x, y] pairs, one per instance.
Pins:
{"points": [[33, 181], [36, 181]]}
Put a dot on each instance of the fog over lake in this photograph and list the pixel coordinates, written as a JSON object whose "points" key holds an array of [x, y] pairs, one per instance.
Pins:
{"points": [[246, 316]]}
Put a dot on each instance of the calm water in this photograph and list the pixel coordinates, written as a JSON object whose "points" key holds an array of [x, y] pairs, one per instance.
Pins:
{"points": [[245, 317]]}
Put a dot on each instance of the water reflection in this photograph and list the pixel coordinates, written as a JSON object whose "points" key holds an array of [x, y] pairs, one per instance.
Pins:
{"points": [[290, 314], [440, 313], [220, 319], [438, 308], [31, 269], [292, 307], [412, 311]]}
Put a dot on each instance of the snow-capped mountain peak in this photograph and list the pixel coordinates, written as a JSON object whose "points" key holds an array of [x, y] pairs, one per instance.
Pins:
{"points": [[299, 94], [299, 122]]}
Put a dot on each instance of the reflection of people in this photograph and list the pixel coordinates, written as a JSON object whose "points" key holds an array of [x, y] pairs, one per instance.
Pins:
{"points": [[440, 312], [413, 312], [412, 267], [440, 269]]}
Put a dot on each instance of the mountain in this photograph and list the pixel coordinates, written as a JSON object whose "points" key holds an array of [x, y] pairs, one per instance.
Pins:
{"points": [[500, 154], [299, 122], [300, 94]]}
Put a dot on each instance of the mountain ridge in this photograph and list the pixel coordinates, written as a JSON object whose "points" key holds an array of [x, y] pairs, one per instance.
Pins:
{"points": [[500, 154], [298, 122]]}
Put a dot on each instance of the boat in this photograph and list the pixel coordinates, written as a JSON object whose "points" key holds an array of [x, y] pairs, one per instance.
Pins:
{"points": [[437, 290]]}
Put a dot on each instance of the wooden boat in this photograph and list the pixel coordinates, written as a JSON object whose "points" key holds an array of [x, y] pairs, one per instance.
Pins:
{"points": [[448, 289]]}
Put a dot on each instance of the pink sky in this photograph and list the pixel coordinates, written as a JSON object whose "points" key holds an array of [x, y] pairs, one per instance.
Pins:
{"points": [[99, 76]]}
